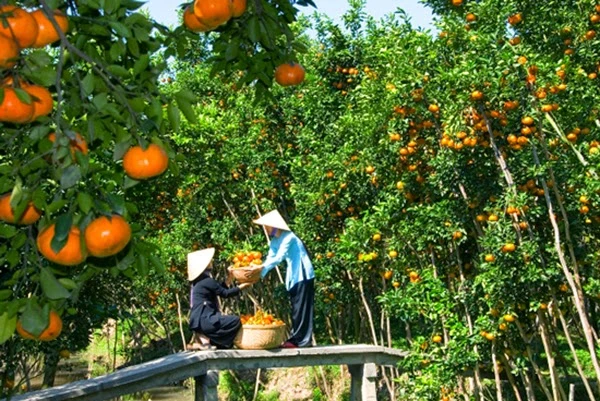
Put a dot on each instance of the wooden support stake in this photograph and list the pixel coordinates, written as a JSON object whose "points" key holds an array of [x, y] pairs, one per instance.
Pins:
{"points": [[205, 388]]}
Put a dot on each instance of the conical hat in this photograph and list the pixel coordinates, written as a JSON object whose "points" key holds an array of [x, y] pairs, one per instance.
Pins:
{"points": [[198, 262], [273, 219]]}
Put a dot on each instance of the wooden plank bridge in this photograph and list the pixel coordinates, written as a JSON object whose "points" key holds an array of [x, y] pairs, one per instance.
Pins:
{"points": [[362, 362]]}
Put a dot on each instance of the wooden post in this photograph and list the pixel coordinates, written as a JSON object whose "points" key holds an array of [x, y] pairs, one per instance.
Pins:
{"points": [[205, 388], [363, 386]]}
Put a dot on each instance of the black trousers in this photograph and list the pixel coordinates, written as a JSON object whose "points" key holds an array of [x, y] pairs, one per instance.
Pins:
{"points": [[302, 297]]}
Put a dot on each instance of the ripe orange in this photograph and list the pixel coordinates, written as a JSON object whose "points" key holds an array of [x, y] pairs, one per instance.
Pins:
{"points": [[72, 252], [490, 336], [490, 258], [239, 8], [457, 3], [289, 74], [437, 338], [51, 332], [527, 120], [476, 95], [41, 99], [509, 318], [213, 13], [19, 25], [434, 108], [12, 109], [30, 216], [392, 254], [515, 19], [141, 164], [191, 21], [46, 32], [105, 237], [388, 274], [471, 17], [508, 247], [77, 144], [376, 237]]}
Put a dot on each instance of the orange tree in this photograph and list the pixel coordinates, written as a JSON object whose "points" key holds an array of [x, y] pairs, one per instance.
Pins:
{"points": [[83, 124], [446, 185]]}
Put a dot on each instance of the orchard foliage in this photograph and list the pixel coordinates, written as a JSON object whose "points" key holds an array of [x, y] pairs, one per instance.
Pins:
{"points": [[446, 186], [80, 109]]}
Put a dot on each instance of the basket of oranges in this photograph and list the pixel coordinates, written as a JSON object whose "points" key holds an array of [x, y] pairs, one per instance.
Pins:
{"points": [[260, 331], [246, 266]]}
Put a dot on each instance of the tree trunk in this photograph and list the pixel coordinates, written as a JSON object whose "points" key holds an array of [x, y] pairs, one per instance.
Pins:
{"points": [[50, 366]]}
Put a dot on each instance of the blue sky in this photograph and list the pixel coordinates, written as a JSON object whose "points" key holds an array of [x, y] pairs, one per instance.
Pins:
{"points": [[165, 12]]}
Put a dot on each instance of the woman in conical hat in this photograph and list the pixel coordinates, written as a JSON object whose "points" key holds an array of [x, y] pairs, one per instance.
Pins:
{"points": [[211, 328], [299, 277]]}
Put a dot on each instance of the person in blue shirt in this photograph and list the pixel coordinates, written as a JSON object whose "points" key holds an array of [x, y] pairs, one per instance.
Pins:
{"points": [[299, 277]]}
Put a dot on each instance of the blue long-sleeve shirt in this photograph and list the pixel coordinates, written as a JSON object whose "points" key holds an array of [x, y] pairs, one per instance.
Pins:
{"points": [[288, 247]]}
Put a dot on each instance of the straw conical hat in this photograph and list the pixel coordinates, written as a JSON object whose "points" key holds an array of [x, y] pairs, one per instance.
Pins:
{"points": [[273, 219], [198, 262]]}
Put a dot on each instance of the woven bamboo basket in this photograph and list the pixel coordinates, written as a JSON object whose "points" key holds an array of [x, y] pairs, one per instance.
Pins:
{"points": [[255, 336], [249, 274]]}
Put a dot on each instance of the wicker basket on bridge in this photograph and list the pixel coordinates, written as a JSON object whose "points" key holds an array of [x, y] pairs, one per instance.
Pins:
{"points": [[249, 274], [258, 336]]}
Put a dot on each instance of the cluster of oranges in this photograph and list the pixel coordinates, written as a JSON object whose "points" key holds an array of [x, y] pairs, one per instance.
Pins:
{"points": [[23, 102], [207, 15], [261, 318], [244, 259]]}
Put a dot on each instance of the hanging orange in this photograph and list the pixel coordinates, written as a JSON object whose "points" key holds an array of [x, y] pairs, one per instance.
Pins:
{"points": [[41, 99], [30, 216], [141, 164], [46, 32], [213, 13], [70, 255], [77, 144], [19, 25], [289, 74], [239, 8], [51, 332], [192, 22], [9, 52], [13, 109], [107, 236]]}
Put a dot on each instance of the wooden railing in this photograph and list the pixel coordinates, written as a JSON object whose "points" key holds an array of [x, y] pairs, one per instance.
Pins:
{"points": [[362, 362]]}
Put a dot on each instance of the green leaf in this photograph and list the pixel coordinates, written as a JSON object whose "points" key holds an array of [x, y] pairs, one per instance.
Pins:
{"points": [[68, 283], [5, 294], [23, 96], [121, 29], [141, 64], [174, 116], [61, 231], [8, 324], [88, 84], [34, 318], [129, 182], [159, 267], [51, 287], [70, 177], [186, 109], [121, 148], [7, 231], [85, 202]]}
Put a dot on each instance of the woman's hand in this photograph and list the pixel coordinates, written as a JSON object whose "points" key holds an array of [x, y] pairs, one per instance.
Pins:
{"points": [[244, 285]]}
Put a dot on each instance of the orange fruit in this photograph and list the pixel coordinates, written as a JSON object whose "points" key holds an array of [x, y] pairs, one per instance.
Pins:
{"points": [[289, 74], [30, 216], [12, 109], [434, 108], [191, 21], [19, 25], [489, 258], [213, 13], [77, 144], [239, 8], [388, 274], [141, 164], [72, 252], [41, 99], [508, 247], [107, 236], [46, 32], [509, 318], [515, 19], [51, 332], [476, 95], [436, 339]]}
